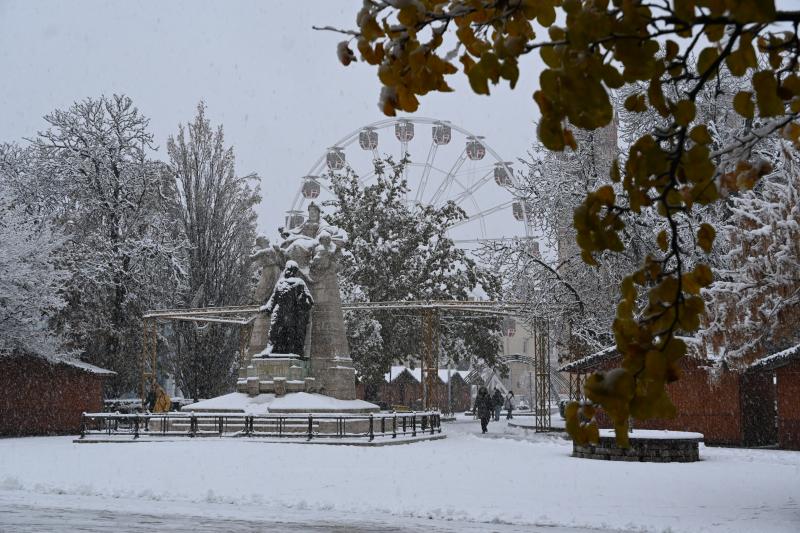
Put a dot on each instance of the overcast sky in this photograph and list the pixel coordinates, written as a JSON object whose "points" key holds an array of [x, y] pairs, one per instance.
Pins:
{"points": [[273, 82]]}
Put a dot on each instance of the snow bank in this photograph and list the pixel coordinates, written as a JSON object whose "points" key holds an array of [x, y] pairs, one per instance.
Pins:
{"points": [[308, 402], [660, 434], [236, 402], [305, 402]]}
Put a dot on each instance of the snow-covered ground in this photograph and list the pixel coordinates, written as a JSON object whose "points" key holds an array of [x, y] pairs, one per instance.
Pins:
{"points": [[507, 480]]}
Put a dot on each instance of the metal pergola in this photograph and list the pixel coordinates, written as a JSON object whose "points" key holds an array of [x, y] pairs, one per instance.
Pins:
{"points": [[430, 310], [242, 316]]}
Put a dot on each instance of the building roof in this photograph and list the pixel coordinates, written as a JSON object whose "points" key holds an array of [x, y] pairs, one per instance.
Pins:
{"points": [[591, 362], [777, 360], [416, 373], [61, 360], [86, 367]]}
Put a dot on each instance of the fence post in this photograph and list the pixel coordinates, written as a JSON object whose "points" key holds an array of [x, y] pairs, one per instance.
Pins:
{"points": [[136, 427], [371, 429], [404, 424], [433, 418], [424, 423], [83, 424], [383, 425], [310, 426], [193, 425], [394, 426], [413, 424], [220, 425]]}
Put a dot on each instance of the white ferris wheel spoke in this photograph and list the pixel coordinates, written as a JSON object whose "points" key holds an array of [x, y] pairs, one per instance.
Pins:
{"points": [[464, 183], [449, 178]]}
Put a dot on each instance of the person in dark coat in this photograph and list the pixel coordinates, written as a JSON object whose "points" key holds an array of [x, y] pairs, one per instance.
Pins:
{"points": [[497, 402], [510, 404], [484, 407]]}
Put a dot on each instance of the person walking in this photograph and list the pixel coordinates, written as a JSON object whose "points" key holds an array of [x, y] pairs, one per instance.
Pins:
{"points": [[483, 407], [510, 404], [497, 402]]}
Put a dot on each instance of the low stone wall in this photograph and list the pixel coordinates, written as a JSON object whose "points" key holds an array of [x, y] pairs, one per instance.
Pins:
{"points": [[680, 449]]}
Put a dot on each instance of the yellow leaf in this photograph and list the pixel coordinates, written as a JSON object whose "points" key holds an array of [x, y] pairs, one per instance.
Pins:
{"points": [[703, 275], [671, 50], [752, 10], [769, 103], [705, 237], [346, 55], [684, 112], [707, 58], [551, 133], [743, 104], [700, 135], [605, 195]]}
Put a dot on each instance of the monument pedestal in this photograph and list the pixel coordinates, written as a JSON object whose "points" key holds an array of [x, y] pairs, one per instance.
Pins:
{"points": [[338, 376], [277, 374]]}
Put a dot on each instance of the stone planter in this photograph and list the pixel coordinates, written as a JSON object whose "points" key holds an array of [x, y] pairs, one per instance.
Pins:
{"points": [[650, 446]]}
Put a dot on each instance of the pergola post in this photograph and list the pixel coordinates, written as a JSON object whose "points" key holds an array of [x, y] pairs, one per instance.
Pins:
{"points": [[541, 343], [430, 355]]}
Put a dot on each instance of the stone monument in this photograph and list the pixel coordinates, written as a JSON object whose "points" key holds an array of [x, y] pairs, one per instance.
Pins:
{"points": [[313, 251]]}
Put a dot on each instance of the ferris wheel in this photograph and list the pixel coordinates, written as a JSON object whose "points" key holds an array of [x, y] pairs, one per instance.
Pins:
{"points": [[446, 163]]}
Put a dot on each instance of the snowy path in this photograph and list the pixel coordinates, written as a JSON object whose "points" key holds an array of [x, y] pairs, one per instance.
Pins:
{"points": [[509, 480], [89, 515]]}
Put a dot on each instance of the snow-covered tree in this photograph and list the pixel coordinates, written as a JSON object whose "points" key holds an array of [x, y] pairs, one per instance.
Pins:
{"points": [[91, 171], [401, 252], [547, 271], [30, 283], [754, 303], [216, 214]]}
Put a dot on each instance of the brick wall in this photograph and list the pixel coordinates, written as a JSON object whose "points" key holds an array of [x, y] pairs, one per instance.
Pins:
{"points": [[759, 416], [788, 388], [40, 398], [731, 410]]}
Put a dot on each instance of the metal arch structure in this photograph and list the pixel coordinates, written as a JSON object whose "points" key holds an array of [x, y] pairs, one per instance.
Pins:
{"points": [[463, 192], [544, 374], [243, 316], [431, 313]]}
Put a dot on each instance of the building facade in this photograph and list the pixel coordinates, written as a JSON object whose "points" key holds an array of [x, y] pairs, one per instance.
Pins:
{"points": [[41, 397]]}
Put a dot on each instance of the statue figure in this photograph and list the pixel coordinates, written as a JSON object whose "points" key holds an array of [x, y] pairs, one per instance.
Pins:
{"points": [[312, 229], [325, 256], [270, 258], [290, 307], [311, 253], [300, 243]]}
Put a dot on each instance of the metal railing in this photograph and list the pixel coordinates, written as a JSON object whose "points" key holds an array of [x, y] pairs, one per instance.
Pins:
{"points": [[300, 426]]}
